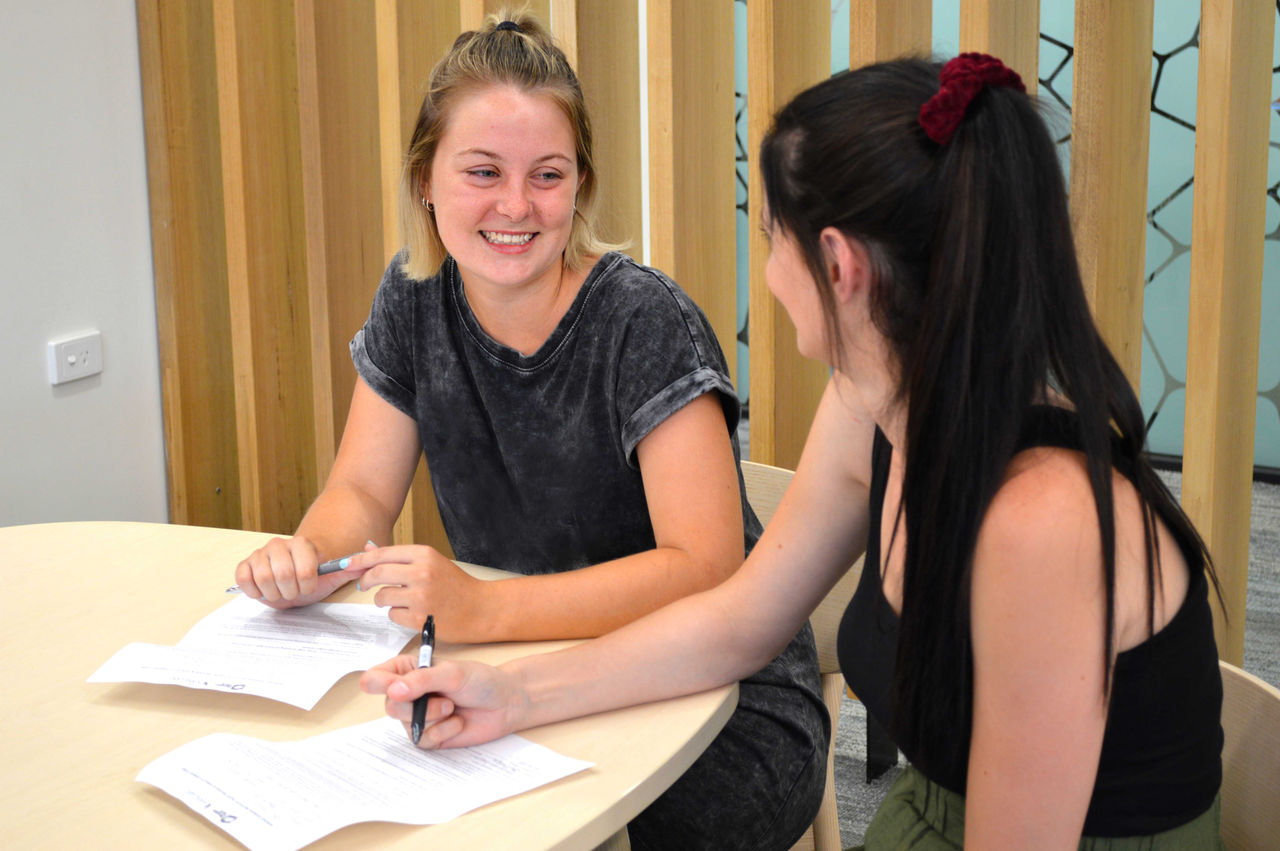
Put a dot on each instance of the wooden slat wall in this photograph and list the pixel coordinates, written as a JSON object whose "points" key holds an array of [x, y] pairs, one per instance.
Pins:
{"points": [[880, 30], [1228, 224], [691, 189], [788, 49], [1009, 29], [189, 250], [312, 145], [275, 133], [1110, 132], [274, 136], [608, 48], [257, 73], [411, 38]]}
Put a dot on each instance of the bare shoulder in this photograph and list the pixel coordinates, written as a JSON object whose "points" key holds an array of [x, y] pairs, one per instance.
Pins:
{"points": [[1041, 536], [1045, 500], [1038, 555]]}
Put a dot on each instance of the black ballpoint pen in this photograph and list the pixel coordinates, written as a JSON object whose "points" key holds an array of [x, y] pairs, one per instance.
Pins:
{"points": [[424, 661]]}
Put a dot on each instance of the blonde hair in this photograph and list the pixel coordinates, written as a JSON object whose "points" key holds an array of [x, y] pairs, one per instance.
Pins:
{"points": [[524, 56]]}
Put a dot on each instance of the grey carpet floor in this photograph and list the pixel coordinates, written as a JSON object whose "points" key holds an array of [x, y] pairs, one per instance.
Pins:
{"points": [[857, 800]]}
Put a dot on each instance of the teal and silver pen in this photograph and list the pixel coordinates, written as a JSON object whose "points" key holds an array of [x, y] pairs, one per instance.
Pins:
{"points": [[337, 564]]}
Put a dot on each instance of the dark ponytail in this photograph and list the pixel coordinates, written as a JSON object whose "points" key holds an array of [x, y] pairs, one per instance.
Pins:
{"points": [[978, 292]]}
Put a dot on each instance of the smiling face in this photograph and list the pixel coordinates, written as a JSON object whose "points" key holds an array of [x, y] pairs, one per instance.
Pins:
{"points": [[503, 182]]}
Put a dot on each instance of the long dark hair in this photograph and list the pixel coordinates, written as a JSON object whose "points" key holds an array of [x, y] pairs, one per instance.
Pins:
{"points": [[978, 293]]}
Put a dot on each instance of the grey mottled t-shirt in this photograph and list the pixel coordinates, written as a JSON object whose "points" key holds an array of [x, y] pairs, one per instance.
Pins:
{"points": [[533, 457], [533, 464]]}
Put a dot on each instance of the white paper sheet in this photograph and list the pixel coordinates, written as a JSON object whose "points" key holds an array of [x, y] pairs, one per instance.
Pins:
{"points": [[291, 655], [280, 796]]}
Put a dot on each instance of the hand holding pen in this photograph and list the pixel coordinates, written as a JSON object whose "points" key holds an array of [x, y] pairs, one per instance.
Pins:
{"points": [[425, 652], [470, 702], [276, 574]]}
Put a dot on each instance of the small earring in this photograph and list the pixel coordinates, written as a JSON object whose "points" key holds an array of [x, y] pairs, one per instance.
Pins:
{"points": [[428, 205]]}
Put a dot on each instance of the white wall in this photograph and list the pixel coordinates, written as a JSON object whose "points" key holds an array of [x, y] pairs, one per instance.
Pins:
{"points": [[75, 253]]}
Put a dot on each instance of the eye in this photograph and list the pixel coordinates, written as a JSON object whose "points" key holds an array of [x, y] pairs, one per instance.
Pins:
{"points": [[482, 172], [548, 176]]}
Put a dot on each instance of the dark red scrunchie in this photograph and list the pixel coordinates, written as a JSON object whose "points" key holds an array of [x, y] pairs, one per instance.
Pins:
{"points": [[962, 78]]}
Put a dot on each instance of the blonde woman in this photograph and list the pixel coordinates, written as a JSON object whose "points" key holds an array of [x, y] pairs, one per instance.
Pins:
{"points": [[579, 424]]}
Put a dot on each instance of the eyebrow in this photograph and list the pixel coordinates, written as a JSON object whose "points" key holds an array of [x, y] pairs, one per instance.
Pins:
{"points": [[480, 152]]}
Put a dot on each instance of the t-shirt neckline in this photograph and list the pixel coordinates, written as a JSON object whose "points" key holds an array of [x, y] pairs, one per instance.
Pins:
{"points": [[555, 340]]}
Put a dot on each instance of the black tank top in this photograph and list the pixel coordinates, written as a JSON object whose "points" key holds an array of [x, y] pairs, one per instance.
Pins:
{"points": [[1161, 753]]}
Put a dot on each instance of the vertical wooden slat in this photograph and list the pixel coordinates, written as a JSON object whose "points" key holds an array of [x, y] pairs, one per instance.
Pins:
{"points": [[1110, 131], [539, 8], [1009, 29], [310, 135], [391, 135], [1227, 229], [473, 12], [410, 38], [233, 191], [691, 152], [880, 30], [608, 47], [266, 260], [564, 26], [470, 13], [788, 48], [660, 64], [354, 251], [392, 142], [184, 181]]}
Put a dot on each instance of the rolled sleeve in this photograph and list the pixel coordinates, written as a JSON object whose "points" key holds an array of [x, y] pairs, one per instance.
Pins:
{"points": [[379, 381]]}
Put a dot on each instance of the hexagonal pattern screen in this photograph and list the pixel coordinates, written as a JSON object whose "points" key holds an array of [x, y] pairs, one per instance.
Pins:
{"points": [[1169, 192]]}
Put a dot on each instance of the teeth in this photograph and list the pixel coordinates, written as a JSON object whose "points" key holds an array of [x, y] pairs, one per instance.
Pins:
{"points": [[506, 238]]}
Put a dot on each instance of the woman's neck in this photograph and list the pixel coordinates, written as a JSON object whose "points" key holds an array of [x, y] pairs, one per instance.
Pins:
{"points": [[523, 317]]}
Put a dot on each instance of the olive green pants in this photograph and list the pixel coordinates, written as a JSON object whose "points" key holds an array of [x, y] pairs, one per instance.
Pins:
{"points": [[920, 815]]}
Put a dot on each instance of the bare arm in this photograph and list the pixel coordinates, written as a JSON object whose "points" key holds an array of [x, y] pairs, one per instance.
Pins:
{"points": [[695, 643], [691, 487], [360, 502], [1037, 626]]}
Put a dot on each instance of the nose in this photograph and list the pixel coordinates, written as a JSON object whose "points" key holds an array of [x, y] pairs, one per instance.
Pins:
{"points": [[513, 204]]}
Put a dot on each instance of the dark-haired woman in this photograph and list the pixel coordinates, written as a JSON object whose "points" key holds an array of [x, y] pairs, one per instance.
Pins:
{"points": [[578, 419], [1033, 622]]}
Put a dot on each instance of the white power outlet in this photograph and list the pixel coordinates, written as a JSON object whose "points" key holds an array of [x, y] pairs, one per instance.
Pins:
{"points": [[75, 357]]}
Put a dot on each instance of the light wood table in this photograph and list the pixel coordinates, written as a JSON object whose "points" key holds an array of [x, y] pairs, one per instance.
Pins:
{"points": [[75, 593]]}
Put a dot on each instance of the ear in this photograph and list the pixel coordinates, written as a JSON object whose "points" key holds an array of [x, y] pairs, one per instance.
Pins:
{"points": [[848, 263]]}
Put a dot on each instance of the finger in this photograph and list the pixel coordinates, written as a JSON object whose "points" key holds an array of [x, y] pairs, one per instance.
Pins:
{"points": [[265, 580], [284, 572], [376, 679], [388, 596], [443, 679], [438, 735], [244, 578], [304, 559], [402, 554], [395, 576], [437, 709], [403, 616]]}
